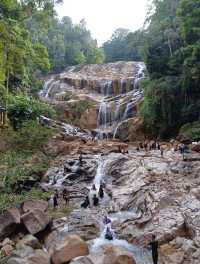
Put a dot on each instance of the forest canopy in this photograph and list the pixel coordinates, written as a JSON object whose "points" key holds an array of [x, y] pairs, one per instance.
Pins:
{"points": [[34, 42], [169, 44]]}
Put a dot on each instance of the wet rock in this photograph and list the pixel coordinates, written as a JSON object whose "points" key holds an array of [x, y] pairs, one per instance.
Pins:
{"points": [[35, 221], [9, 222], [71, 247], [117, 255], [32, 205]]}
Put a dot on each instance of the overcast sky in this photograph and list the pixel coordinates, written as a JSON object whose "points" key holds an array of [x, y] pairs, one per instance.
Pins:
{"points": [[104, 16]]}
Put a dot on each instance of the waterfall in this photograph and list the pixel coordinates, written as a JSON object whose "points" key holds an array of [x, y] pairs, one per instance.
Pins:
{"points": [[137, 95], [48, 86], [45, 91]]}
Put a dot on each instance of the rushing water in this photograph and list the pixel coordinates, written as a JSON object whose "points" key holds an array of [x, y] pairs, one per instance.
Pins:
{"points": [[141, 255], [110, 117]]}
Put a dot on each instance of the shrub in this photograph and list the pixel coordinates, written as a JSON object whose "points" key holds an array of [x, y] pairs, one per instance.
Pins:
{"points": [[22, 108], [191, 131]]}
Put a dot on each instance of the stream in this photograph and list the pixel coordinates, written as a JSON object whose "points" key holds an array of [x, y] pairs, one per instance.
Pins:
{"points": [[141, 255]]}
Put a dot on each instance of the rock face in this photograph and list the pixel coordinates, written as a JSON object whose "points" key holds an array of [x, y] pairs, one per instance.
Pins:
{"points": [[72, 247], [35, 221], [130, 130], [100, 95]]}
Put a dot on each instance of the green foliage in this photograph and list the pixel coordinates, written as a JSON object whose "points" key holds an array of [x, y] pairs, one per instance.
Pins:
{"points": [[67, 43], [172, 54], [123, 46], [191, 131], [18, 160], [39, 135], [8, 200], [22, 108]]}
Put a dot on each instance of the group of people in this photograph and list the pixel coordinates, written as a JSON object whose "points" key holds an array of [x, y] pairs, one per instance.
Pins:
{"points": [[93, 198], [150, 145], [146, 145], [56, 196]]}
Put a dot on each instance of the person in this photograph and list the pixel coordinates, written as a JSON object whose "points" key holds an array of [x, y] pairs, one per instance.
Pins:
{"points": [[154, 248], [95, 200], [138, 147], [54, 180], [145, 145], [55, 201], [94, 187], [66, 169], [101, 192], [86, 203], [81, 159], [108, 235], [119, 149], [56, 194], [102, 182], [161, 151], [141, 145], [65, 195], [158, 146], [106, 220]]}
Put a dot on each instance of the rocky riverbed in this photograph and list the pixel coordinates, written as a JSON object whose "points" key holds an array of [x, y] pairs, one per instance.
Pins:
{"points": [[145, 194]]}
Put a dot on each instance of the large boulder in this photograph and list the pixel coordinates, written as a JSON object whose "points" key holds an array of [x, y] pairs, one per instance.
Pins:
{"points": [[9, 222], [117, 255], [31, 205], [35, 221], [71, 247]]}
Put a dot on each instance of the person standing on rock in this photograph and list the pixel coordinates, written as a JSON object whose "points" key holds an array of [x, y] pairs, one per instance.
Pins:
{"points": [[154, 248], [161, 152], [86, 203], [101, 191], [80, 159], [55, 199], [65, 195], [95, 200]]}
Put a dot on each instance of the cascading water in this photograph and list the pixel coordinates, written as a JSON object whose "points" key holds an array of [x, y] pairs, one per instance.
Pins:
{"points": [[45, 91], [110, 116], [137, 96], [142, 256]]}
